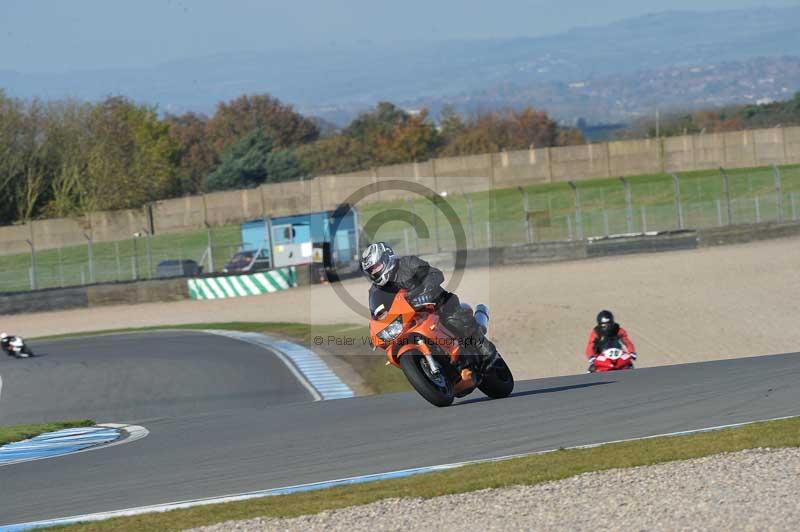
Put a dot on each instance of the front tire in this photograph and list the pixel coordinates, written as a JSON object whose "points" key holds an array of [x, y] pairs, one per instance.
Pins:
{"points": [[437, 391], [498, 382]]}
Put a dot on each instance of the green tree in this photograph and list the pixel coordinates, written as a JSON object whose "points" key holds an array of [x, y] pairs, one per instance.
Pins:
{"points": [[237, 118], [283, 165], [378, 123], [333, 155], [197, 156], [132, 158], [244, 164]]}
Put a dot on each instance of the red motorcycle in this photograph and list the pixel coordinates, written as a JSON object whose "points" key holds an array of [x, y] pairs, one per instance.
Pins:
{"points": [[612, 357]]}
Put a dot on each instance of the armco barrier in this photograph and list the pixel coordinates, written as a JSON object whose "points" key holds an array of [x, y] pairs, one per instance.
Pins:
{"points": [[155, 291], [741, 234], [44, 300], [242, 285]]}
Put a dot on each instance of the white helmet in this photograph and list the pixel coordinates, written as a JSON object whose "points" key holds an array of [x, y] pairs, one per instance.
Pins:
{"points": [[378, 262], [3, 336]]}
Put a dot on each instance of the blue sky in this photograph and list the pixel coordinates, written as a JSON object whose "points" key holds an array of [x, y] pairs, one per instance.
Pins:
{"points": [[56, 35]]}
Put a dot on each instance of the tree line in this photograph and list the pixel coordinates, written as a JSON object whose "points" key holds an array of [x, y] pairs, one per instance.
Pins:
{"points": [[65, 158], [728, 118]]}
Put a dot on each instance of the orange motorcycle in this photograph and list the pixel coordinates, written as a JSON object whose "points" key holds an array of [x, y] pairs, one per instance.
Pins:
{"points": [[435, 362]]}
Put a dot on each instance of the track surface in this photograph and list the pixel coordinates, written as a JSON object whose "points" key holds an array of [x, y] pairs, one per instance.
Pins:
{"points": [[227, 417]]}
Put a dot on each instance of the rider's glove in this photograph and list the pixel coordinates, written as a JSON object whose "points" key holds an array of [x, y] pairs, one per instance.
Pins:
{"points": [[591, 360], [633, 355]]}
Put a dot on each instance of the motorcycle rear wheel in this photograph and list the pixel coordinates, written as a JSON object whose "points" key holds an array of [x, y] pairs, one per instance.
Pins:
{"points": [[438, 392], [498, 382]]}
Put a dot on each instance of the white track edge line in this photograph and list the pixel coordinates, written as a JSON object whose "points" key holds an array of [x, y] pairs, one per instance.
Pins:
{"points": [[100, 516]]}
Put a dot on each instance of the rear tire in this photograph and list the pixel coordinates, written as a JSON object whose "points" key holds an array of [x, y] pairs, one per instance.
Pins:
{"points": [[498, 382], [27, 351], [414, 366]]}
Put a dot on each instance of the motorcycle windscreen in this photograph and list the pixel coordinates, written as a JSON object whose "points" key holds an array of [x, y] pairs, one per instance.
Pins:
{"points": [[380, 300]]}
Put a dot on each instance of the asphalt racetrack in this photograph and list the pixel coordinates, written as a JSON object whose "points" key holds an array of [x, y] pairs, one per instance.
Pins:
{"points": [[227, 417]]}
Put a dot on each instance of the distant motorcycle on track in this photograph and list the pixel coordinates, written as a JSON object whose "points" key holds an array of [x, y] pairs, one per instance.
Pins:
{"points": [[15, 346]]}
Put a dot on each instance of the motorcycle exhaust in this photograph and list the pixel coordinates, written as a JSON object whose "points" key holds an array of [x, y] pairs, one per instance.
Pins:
{"points": [[482, 317]]}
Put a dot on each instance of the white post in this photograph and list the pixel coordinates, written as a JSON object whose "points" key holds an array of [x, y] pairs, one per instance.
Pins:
{"points": [[605, 222], [489, 234], [794, 207], [719, 213], [569, 226]]}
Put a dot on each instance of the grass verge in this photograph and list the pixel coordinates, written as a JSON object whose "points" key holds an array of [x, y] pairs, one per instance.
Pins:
{"points": [[521, 471], [347, 342], [23, 432]]}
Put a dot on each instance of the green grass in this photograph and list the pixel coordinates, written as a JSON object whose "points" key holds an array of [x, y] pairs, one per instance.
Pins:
{"points": [[14, 433], [345, 341], [496, 218], [521, 471], [69, 266]]}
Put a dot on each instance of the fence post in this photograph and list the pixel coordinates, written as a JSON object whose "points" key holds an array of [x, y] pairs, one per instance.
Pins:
{"points": [[135, 257], [778, 192], [83, 275], [34, 284], [468, 202], [210, 248], [719, 212], [794, 207], [414, 219], [524, 194], [149, 256], [569, 227], [628, 204], [134, 272], [489, 233], [91, 256], [727, 189], [678, 206], [119, 264], [436, 197], [605, 222], [578, 217], [758, 210], [60, 269], [644, 219]]}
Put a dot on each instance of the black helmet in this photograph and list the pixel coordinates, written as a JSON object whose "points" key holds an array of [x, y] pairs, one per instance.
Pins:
{"points": [[605, 321], [378, 262]]}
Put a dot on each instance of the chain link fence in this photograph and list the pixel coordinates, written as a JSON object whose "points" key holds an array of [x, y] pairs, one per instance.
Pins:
{"points": [[575, 211], [505, 217]]}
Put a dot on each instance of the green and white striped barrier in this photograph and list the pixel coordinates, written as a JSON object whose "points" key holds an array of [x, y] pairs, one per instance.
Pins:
{"points": [[243, 285]]}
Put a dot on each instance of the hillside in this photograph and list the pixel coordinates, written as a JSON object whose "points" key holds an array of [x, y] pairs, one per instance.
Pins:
{"points": [[338, 81]]}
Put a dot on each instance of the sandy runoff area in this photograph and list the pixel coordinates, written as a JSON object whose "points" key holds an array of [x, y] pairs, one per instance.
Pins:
{"points": [[682, 306]]}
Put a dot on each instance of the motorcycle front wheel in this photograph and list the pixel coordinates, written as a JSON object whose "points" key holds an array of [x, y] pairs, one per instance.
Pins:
{"points": [[434, 387]]}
